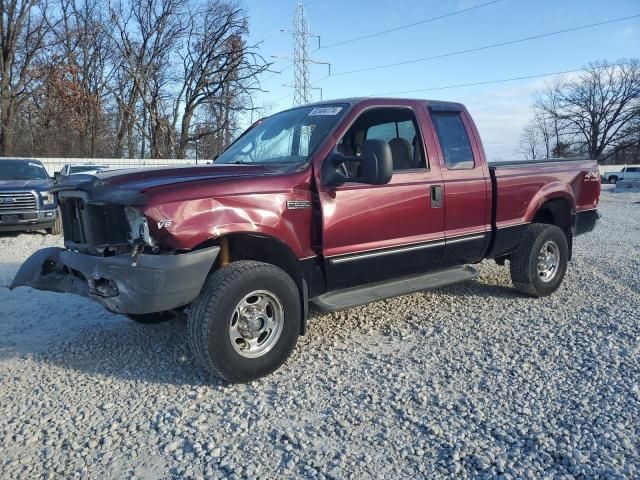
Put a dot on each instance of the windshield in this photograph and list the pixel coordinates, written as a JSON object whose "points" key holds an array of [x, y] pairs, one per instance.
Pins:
{"points": [[287, 138], [22, 170], [84, 168]]}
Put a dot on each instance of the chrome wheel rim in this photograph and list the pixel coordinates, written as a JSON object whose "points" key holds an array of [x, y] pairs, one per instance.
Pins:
{"points": [[256, 324], [548, 261]]}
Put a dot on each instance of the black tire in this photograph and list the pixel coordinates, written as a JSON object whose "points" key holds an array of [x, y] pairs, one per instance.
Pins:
{"points": [[151, 318], [210, 319], [613, 180], [56, 228], [524, 261]]}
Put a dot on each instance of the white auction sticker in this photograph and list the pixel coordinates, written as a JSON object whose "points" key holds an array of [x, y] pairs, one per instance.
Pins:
{"points": [[325, 111]]}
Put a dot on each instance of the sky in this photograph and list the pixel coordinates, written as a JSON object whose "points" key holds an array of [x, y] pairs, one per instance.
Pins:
{"points": [[501, 109]]}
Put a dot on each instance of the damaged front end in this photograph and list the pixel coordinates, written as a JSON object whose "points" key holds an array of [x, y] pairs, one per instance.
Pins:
{"points": [[110, 256]]}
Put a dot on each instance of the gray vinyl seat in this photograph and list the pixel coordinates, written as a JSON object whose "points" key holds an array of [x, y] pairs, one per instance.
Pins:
{"points": [[401, 154]]}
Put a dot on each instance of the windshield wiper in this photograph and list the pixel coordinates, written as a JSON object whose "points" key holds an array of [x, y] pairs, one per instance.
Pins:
{"points": [[235, 162]]}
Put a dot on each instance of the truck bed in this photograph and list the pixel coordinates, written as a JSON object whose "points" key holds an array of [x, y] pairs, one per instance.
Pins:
{"points": [[519, 189]]}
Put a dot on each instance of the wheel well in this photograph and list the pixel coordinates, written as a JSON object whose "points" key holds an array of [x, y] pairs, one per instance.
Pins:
{"points": [[262, 248], [557, 212]]}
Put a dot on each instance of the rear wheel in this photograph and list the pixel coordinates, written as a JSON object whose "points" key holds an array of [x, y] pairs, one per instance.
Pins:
{"points": [[613, 179], [539, 264], [246, 321]]}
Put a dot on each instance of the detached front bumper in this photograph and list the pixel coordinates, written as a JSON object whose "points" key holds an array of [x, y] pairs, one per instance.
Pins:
{"points": [[156, 283]]}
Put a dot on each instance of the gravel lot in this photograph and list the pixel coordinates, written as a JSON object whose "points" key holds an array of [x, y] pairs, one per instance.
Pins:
{"points": [[471, 380]]}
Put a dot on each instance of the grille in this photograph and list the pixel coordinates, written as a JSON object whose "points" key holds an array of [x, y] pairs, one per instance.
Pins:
{"points": [[17, 202], [93, 225]]}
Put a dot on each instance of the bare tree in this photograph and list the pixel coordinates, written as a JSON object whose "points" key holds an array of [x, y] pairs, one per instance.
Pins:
{"points": [[218, 70], [125, 97], [87, 51], [627, 151], [547, 111], [23, 39], [146, 32], [594, 114], [67, 115], [124, 77], [531, 144], [599, 105]]}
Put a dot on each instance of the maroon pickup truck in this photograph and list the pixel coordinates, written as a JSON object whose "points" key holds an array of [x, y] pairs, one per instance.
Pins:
{"points": [[332, 205]]}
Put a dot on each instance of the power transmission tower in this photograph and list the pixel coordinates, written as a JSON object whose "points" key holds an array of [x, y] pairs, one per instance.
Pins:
{"points": [[302, 58], [301, 83]]}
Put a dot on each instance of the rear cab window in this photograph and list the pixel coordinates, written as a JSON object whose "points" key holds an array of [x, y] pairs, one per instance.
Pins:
{"points": [[454, 140]]}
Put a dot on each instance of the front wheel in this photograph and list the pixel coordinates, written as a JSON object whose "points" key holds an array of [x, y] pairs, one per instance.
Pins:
{"points": [[246, 321], [56, 228], [540, 262]]}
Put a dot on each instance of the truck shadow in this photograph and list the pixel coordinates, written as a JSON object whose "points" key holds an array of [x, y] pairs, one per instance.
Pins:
{"points": [[40, 233], [475, 288], [118, 347], [149, 353]]}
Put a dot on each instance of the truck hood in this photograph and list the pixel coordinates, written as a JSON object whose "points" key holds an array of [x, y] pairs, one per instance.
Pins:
{"points": [[145, 178], [128, 186], [39, 185]]}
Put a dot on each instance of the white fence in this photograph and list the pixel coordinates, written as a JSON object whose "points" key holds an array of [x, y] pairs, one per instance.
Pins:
{"points": [[55, 164]]}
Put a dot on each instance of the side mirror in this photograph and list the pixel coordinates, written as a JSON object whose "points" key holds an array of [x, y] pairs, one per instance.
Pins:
{"points": [[374, 166], [377, 162], [57, 176]]}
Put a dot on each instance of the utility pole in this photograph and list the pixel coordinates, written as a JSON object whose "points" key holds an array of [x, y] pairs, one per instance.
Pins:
{"points": [[302, 58]]}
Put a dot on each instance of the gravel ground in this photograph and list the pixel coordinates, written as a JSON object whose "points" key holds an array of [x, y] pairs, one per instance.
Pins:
{"points": [[471, 380]]}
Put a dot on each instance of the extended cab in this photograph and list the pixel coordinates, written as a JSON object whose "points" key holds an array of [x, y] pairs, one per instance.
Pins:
{"points": [[332, 205]]}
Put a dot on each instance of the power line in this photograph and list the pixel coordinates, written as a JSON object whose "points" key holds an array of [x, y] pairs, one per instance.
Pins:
{"points": [[274, 25], [488, 82], [473, 84], [275, 74], [291, 94], [402, 27], [297, 24], [486, 47], [277, 23], [301, 57]]}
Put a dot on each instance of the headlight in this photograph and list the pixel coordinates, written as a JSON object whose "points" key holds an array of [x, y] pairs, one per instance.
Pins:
{"points": [[47, 198]]}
